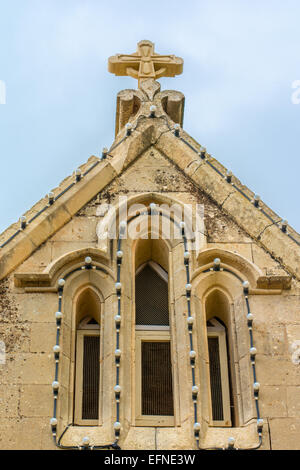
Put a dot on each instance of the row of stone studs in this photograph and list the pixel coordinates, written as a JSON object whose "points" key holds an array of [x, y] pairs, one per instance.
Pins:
{"points": [[128, 130], [56, 349], [118, 352], [252, 351], [190, 322]]}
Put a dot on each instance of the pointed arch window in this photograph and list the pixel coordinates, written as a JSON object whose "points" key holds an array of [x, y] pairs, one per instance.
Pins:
{"points": [[151, 298], [218, 373], [87, 367], [154, 381], [221, 373]]}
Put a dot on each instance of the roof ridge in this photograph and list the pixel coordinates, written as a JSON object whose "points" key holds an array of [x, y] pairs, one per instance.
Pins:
{"points": [[117, 165], [237, 184], [41, 205]]}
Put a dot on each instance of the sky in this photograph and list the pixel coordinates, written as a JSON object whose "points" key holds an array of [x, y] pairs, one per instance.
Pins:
{"points": [[241, 81]]}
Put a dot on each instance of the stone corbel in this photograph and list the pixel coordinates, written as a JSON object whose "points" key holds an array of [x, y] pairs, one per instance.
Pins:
{"points": [[173, 105], [132, 103], [128, 105]]}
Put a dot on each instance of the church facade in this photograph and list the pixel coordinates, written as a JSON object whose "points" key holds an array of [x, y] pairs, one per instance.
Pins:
{"points": [[151, 301]]}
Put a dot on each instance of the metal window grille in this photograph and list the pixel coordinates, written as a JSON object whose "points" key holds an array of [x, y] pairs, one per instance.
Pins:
{"points": [[215, 379], [91, 369], [151, 298], [157, 389]]}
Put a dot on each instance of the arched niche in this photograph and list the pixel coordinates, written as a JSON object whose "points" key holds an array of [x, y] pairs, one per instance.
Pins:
{"points": [[151, 260], [151, 250], [222, 378], [88, 357], [220, 294], [87, 295], [156, 386], [217, 305], [88, 304]]}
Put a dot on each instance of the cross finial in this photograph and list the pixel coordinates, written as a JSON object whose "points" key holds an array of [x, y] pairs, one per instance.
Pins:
{"points": [[145, 63]]}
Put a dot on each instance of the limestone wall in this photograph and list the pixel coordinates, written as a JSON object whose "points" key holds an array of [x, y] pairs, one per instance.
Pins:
{"points": [[27, 327]]}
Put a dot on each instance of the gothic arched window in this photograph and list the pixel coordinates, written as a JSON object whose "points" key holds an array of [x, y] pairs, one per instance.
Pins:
{"points": [[87, 369], [154, 393], [217, 314], [218, 372], [151, 297]]}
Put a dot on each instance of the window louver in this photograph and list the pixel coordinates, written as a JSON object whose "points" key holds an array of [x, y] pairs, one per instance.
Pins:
{"points": [[151, 298], [91, 368], [215, 379], [157, 390]]}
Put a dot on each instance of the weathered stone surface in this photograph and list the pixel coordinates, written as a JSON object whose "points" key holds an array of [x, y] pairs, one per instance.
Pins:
{"points": [[293, 401], [42, 337], [285, 433], [22, 434], [140, 439], [28, 368], [9, 400], [36, 400], [150, 165], [36, 308]]}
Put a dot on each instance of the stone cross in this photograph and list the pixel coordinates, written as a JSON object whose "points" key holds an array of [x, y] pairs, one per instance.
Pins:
{"points": [[145, 63]]}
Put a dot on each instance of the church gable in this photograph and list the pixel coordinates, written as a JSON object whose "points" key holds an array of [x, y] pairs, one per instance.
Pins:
{"points": [[149, 120], [151, 173], [150, 342]]}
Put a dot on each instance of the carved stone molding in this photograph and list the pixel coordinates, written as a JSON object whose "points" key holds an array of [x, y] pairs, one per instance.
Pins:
{"points": [[132, 103]]}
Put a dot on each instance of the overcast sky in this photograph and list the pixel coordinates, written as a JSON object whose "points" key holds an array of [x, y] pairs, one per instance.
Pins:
{"points": [[242, 58]]}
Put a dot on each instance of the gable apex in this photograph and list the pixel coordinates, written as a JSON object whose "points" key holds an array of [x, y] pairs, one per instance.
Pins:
{"points": [[206, 173]]}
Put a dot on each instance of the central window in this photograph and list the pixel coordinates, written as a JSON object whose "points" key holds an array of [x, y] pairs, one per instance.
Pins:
{"points": [[154, 381]]}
